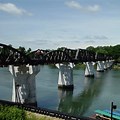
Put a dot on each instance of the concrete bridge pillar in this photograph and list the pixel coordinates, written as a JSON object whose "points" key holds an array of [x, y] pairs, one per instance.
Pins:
{"points": [[111, 62], [24, 86], [108, 64], [65, 79], [100, 66], [105, 65], [89, 71]]}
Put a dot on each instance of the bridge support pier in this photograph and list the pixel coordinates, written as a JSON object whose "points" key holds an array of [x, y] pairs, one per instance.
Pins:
{"points": [[24, 86], [89, 71], [100, 66], [108, 64], [105, 65], [65, 79], [111, 63]]}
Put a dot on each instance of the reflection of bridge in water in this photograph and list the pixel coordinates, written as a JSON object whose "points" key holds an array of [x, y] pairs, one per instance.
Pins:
{"points": [[24, 67], [79, 104]]}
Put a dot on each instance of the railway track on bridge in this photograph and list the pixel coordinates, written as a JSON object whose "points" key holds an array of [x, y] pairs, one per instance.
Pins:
{"points": [[43, 111]]}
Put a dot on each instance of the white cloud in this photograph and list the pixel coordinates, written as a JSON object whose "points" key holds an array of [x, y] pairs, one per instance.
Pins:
{"points": [[78, 6], [13, 9], [93, 8], [73, 4]]}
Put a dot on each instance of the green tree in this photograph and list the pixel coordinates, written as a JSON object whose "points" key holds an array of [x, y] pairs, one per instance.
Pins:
{"points": [[91, 48], [22, 49]]}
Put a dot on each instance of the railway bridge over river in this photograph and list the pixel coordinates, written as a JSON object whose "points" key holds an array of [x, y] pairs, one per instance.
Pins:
{"points": [[24, 68]]}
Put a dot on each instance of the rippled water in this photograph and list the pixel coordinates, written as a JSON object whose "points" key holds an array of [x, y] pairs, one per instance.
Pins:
{"points": [[88, 95]]}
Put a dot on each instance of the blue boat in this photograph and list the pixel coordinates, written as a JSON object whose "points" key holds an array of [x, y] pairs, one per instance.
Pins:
{"points": [[114, 113], [106, 114]]}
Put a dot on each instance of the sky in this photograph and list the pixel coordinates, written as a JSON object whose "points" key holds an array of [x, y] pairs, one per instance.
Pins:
{"points": [[49, 24]]}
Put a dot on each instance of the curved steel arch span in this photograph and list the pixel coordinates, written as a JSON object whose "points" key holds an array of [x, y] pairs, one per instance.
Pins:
{"points": [[57, 56], [12, 56]]}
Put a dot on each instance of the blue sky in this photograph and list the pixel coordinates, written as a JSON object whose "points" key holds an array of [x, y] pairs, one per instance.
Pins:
{"points": [[49, 24]]}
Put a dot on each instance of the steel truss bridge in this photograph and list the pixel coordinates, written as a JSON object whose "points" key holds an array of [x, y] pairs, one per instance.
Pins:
{"points": [[12, 56]]}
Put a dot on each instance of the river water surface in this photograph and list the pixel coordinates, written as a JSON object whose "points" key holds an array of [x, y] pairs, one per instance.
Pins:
{"points": [[88, 95]]}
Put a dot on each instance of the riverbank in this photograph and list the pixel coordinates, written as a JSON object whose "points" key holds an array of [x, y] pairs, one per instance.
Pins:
{"points": [[116, 67], [83, 66], [14, 113], [35, 116]]}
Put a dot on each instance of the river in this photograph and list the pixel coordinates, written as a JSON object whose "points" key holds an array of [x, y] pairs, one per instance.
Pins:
{"points": [[88, 95]]}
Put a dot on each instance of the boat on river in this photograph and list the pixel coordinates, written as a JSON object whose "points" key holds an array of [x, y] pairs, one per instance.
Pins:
{"points": [[106, 114]]}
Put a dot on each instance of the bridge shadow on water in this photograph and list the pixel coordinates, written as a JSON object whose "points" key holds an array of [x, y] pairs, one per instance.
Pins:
{"points": [[79, 104]]}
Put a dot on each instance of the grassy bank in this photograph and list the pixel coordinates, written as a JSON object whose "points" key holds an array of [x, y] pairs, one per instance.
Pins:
{"points": [[116, 67], [34, 116], [13, 113]]}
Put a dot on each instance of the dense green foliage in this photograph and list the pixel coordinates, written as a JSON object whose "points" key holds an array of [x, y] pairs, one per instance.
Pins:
{"points": [[110, 50], [11, 113], [22, 49]]}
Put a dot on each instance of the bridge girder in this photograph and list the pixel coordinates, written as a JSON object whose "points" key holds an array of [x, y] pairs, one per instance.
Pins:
{"points": [[12, 56]]}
